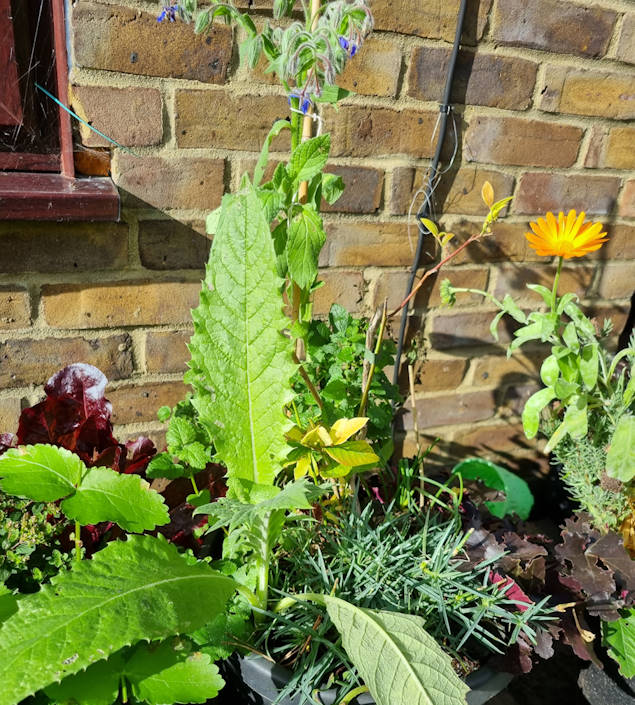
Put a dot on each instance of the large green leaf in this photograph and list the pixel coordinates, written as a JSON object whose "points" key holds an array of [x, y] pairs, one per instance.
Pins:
{"points": [[97, 685], [518, 497], [138, 589], [306, 238], [127, 500], [398, 660], [309, 158], [619, 637], [238, 349], [42, 473], [620, 460], [161, 674]]}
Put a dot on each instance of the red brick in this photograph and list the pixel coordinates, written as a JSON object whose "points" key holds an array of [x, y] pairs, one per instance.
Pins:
{"points": [[119, 304], [116, 38], [15, 307], [131, 404], [627, 200], [480, 79], [228, 121], [457, 193], [374, 70], [506, 243], [451, 409], [626, 45], [363, 189], [359, 131], [362, 244], [31, 361], [588, 92], [435, 19], [131, 116], [539, 193], [9, 414], [436, 374], [616, 280], [620, 150], [502, 140], [63, 247], [621, 244], [344, 287], [503, 437], [466, 328], [498, 370], [551, 25], [161, 182], [166, 351], [169, 244], [513, 279]]}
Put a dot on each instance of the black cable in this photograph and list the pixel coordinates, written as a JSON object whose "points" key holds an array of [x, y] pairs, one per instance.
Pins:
{"points": [[445, 109]]}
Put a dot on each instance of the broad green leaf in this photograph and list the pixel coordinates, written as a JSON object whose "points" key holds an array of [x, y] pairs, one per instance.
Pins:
{"points": [[332, 94], [549, 371], [230, 512], [162, 465], [97, 685], [574, 423], [42, 473], [8, 603], [277, 128], [564, 390], [397, 659], [352, 453], [570, 337], [619, 638], [589, 365], [180, 433], [138, 589], [343, 429], [317, 437], [306, 238], [332, 187], [127, 500], [309, 158], [162, 674], [238, 349], [211, 222], [196, 455], [620, 459], [543, 291], [583, 324], [533, 407], [272, 202], [518, 497]]}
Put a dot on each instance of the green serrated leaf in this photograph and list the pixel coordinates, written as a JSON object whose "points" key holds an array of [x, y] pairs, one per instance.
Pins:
{"points": [[126, 500], [41, 472], [138, 589], [619, 637], [238, 349], [620, 459], [162, 465], [195, 455], [518, 497], [161, 674], [97, 685], [397, 659], [309, 158], [211, 222], [276, 129], [332, 187], [352, 453], [306, 238], [272, 202], [181, 432]]}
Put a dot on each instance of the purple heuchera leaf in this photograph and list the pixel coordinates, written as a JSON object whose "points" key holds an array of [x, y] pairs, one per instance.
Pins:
{"points": [[7, 440]]}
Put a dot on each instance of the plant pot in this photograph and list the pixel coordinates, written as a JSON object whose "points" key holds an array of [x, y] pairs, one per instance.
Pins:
{"points": [[256, 681]]}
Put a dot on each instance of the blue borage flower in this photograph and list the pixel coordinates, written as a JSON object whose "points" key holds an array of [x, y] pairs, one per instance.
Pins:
{"points": [[304, 101], [168, 11], [348, 46]]}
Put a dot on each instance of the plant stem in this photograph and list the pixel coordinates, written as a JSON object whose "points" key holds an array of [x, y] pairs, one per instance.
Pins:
{"points": [[554, 292], [303, 373], [353, 694], [78, 543], [193, 481], [124, 690], [371, 373]]}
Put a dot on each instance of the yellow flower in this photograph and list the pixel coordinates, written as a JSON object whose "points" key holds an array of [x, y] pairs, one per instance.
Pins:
{"points": [[569, 236]]}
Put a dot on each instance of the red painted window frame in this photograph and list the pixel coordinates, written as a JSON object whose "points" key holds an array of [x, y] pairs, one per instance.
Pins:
{"points": [[46, 188]]}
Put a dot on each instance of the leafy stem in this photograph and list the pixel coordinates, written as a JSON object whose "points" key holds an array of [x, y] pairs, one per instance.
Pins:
{"points": [[371, 373], [554, 291]]}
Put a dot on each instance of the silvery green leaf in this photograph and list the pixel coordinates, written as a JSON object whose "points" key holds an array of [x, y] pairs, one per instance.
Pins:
{"points": [[620, 459]]}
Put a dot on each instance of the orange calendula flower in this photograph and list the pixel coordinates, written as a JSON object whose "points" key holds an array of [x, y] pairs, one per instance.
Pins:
{"points": [[568, 236]]}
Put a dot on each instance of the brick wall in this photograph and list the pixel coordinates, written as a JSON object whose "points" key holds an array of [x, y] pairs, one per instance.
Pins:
{"points": [[545, 93]]}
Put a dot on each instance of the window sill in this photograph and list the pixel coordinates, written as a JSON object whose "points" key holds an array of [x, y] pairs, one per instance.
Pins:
{"points": [[25, 196]]}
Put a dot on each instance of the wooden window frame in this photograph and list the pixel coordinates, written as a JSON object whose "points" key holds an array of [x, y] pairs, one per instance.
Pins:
{"points": [[46, 188]]}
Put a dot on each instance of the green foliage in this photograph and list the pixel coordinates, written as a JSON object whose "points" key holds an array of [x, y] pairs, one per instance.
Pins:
{"points": [[336, 350], [90, 495], [398, 660], [31, 549], [620, 459], [133, 590], [518, 498], [619, 638], [241, 361]]}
